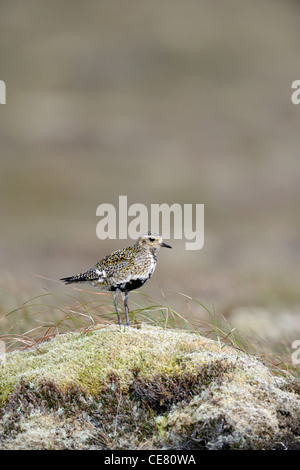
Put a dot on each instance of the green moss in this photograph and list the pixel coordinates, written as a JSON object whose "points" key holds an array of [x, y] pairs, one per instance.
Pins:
{"points": [[148, 387], [90, 360]]}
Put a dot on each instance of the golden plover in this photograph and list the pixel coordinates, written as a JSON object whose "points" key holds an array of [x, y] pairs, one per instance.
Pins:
{"points": [[124, 270]]}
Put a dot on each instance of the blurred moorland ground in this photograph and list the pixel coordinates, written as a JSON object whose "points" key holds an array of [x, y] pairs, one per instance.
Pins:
{"points": [[162, 101]]}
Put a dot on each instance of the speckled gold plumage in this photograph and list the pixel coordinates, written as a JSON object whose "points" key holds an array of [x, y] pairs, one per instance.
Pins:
{"points": [[125, 269]]}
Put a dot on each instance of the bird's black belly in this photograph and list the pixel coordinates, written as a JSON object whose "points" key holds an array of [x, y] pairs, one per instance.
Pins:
{"points": [[129, 285]]}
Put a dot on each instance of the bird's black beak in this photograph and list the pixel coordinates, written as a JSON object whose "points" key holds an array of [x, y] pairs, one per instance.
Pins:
{"points": [[165, 245]]}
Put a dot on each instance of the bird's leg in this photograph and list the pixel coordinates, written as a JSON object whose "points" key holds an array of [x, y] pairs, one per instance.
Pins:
{"points": [[116, 307], [125, 300]]}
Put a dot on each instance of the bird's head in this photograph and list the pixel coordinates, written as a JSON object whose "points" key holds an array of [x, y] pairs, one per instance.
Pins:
{"points": [[152, 241]]}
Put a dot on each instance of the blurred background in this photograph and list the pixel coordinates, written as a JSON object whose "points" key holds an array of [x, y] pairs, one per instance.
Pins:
{"points": [[162, 101]]}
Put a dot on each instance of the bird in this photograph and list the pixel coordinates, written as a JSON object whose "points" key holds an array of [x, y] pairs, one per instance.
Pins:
{"points": [[124, 270]]}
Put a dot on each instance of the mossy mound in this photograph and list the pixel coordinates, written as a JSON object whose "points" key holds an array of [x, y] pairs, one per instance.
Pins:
{"points": [[146, 387]]}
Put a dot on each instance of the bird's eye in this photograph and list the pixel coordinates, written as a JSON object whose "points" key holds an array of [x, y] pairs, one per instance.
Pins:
{"points": [[151, 239]]}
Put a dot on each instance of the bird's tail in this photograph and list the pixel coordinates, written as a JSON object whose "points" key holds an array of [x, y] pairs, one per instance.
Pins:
{"points": [[83, 277]]}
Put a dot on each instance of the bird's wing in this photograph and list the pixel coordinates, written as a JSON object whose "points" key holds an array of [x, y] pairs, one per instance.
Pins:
{"points": [[118, 261]]}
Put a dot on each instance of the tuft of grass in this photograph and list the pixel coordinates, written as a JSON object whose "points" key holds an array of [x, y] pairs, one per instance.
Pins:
{"points": [[50, 314]]}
